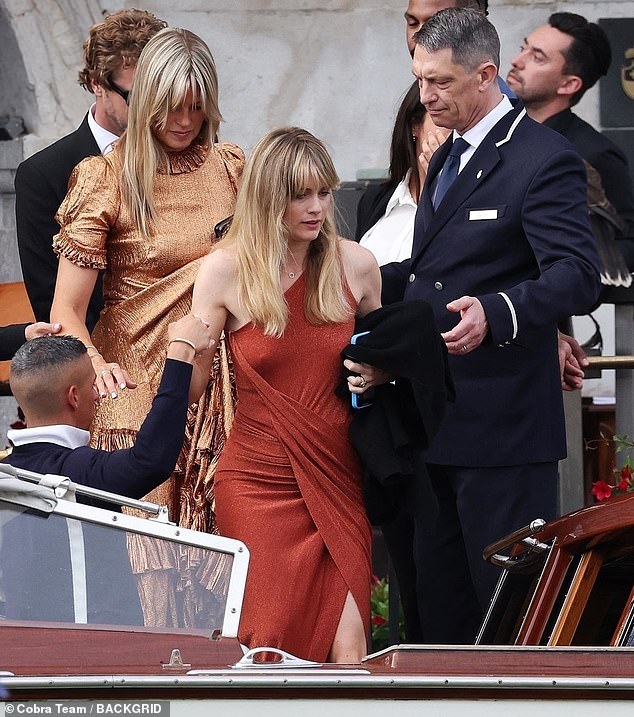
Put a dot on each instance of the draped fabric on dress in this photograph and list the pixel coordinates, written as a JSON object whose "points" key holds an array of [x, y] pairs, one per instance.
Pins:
{"points": [[288, 485], [148, 283]]}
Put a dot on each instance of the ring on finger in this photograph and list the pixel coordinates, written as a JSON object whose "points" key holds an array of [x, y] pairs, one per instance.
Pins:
{"points": [[105, 371], [363, 382], [464, 348]]}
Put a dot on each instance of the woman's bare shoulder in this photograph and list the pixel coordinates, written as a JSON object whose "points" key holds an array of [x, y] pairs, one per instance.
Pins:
{"points": [[356, 256], [219, 265]]}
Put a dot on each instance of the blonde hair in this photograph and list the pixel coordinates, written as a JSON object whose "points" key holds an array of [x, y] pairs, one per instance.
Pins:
{"points": [[172, 63], [283, 164]]}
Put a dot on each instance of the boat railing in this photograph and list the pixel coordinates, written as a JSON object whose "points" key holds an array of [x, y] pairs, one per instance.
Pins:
{"points": [[525, 535]]}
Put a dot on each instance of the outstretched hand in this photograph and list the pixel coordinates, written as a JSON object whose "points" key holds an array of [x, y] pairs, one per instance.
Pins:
{"points": [[41, 328], [190, 331], [472, 328]]}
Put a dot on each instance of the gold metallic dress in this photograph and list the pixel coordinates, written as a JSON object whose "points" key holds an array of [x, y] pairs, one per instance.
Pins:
{"points": [[148, 284]]}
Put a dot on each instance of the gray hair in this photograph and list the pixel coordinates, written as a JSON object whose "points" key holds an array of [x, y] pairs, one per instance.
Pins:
{"points": [[471, 38], [46, 352]]}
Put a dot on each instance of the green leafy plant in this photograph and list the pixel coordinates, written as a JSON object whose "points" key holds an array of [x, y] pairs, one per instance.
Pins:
{"points": [[380, 615]]}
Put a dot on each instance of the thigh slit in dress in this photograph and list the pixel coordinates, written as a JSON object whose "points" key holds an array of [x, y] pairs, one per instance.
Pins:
{"points": [[288, 484]]}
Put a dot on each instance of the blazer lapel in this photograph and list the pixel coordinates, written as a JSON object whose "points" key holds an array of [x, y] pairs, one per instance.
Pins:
{"points": [[480, 165], [425, 210], [86, 140]]}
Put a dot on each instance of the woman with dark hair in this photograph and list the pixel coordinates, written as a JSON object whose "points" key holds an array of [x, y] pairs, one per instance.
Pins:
{"points": [[385, 215]]}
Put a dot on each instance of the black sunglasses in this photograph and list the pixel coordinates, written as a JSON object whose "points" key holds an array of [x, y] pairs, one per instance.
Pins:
{"points": [[119, 90]]}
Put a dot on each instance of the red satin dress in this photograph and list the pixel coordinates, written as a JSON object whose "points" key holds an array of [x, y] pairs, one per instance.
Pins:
{"points": [[288, 484]]}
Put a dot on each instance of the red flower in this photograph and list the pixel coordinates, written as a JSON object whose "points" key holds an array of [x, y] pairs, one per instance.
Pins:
{"points": [[626, 479], [602, 490], [378, 621]]}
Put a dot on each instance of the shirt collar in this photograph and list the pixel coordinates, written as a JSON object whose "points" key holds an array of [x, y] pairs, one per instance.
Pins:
{"points": [[60, 435], [103, 137], [478, 132], [401, 195]]}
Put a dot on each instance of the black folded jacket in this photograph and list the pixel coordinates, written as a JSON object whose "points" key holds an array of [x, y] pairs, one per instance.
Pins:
{"points": [[404, 415]]}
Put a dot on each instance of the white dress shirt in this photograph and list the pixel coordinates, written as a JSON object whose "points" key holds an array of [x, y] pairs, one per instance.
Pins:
{"points": [[390, 239], [60, 435]]}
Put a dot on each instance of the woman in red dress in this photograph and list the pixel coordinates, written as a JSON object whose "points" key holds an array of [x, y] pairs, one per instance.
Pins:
{"points": [[286, 289]]}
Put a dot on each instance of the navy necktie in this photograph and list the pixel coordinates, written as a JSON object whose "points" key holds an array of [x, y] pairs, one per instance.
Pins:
{"points": [[449, 169]]}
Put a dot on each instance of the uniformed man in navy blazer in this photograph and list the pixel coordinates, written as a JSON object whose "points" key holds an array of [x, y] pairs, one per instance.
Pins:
{"points": [[503, 250]]}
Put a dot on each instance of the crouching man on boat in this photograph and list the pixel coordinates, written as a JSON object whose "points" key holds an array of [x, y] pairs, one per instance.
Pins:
{"points": [[53, 381]]}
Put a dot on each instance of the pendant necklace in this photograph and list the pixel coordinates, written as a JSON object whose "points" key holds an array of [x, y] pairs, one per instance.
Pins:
{"points": [[292, 274]]}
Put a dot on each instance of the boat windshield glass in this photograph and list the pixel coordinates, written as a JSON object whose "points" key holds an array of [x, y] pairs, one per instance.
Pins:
{"points": [[62, 569]]}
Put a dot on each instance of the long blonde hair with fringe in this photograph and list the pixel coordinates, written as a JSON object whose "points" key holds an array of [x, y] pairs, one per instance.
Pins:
{"points": [[283, 164], [172, 63]]}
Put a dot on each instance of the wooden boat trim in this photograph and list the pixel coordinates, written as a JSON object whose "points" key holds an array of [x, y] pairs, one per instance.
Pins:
{"points": [[543, 600], [324, 686], [582, 584]]}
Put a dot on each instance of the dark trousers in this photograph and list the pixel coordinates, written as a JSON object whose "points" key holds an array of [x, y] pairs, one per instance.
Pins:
{"points": [[477, 506], [444, 582]]}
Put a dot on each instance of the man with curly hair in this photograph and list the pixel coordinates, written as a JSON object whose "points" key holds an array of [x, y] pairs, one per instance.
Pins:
{"points": [[111, 52]]}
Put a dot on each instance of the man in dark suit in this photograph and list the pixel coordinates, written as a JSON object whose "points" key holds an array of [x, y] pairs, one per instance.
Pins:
{"points": [[13, 336], [502, 254], [110, 55], [556, 65]]}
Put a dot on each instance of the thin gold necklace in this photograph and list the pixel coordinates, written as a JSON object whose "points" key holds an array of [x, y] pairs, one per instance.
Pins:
{"points": [[292, 274]]}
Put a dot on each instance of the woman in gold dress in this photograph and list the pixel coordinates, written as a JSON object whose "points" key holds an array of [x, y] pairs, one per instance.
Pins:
{"points": [[145, 214]]}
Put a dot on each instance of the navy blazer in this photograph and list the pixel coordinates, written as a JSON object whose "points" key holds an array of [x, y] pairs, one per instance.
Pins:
{"points": [[131, 471], [513, 231], [34, 550], [11, 338], [41, 183]]}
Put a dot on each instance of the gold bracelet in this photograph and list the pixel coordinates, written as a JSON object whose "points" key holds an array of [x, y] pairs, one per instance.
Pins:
{"points": [[183, 341]]}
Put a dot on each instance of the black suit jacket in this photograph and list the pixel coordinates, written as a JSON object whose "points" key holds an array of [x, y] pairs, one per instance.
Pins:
{"points": [[11, 338], [41, 182], [610, 163], [513, 231], [372, 206], [405, 414]]}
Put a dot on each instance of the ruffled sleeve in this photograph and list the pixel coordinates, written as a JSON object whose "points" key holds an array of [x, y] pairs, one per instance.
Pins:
{"points": [[88, 212], [233, 158]]}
